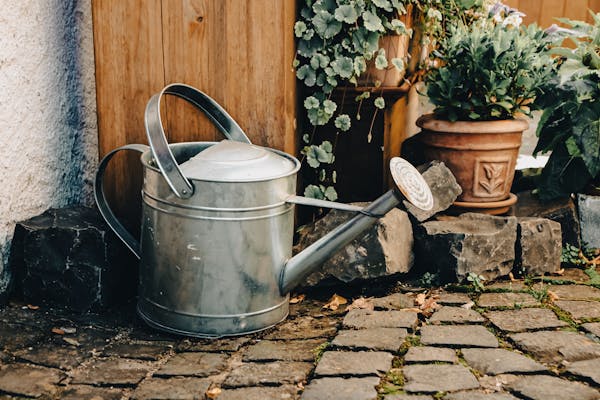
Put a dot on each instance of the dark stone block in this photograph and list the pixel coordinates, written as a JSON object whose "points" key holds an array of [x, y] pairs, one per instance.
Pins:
{"points": [[70, 258], [562, 211]]}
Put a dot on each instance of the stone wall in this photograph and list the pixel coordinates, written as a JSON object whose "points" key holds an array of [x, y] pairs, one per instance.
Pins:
{"points": [[48, 136]]}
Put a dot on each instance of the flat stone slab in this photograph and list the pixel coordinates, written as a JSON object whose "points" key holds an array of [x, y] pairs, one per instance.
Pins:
{"points": [[587, 369], [54, 357], [543, 387], [422, 354], [272, 373], [389, 339], [474, 395], [334, 363], [395, 301], [525, 319], [433, 378], [457, 315], [453, 299], [555, 346], [593, 328], [211, 345], [361, 318], [194, 364], [407, 397], [294, 350], [340, 388], [463, 336], [114, 371], [580, 309], [141, 351], [79, 392], [508, 286], [509, 299], [500, 361], [172, 389], [27, 380], [260, 393], [575, 292], [304, 328]]}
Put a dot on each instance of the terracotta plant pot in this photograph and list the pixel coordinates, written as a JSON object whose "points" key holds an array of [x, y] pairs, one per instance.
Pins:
{"points": [[482, 155]]}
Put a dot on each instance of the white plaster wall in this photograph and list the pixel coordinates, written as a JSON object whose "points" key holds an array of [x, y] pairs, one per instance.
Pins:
{"points": [[48, 136]]}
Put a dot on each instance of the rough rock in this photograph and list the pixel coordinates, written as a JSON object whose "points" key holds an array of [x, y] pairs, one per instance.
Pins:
{"points": [[361, 318], [500, 361], [539, 246], [334, 363], [472, 243], [433, 378], [389, 339], [273, 373], [384, 249], [524, 319], [459, 335], [543, 387], [340, 388], [70, 258], [587, 369], [589, 218], [555, 346], [509, 299], [171, 389], [444, 188], [294, 350], [562, 211], [423, 354], [457, 315]]}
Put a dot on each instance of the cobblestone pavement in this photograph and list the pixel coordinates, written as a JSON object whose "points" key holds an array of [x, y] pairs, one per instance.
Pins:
{"points": [[517, 340]]}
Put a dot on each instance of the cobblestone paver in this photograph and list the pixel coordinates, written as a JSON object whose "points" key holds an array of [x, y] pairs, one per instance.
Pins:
{"points": [[418, 344]]}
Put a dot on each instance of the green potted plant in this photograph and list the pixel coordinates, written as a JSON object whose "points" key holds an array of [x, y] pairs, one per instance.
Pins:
{"points": [[361, 48], [489, 77], [570, 126]]}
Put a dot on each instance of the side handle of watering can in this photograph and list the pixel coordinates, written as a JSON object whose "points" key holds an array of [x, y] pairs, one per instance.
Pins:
{"points": [[163, 156], [132, 243]]}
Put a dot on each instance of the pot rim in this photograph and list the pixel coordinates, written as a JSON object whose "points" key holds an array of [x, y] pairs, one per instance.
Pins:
{"points": [[146, 157], [431, 123]]}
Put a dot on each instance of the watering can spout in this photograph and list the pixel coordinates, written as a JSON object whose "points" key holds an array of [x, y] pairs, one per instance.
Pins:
{"points": [[301, 265]]}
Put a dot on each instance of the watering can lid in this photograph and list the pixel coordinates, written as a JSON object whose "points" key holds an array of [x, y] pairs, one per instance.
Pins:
{"points": [[232, 161]]}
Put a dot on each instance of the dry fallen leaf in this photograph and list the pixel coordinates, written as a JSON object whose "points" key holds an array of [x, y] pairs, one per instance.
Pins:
{"points": [[559, 272], [363, 303], [552, 297], [32, 307], [72, 342], [335, 302], [297, 299], [511, 276], [468, 305], [68, 330], [213, 393], [429, 304], [420, 299], [58, 331]]}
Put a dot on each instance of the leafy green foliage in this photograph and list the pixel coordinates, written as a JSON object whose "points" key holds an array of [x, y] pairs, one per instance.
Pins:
{"points": [[570, 124], [476, 282], [489, 71]]}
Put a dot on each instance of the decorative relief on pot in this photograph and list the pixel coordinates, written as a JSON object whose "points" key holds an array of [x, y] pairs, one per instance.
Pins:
{"points": [[490, 177]]}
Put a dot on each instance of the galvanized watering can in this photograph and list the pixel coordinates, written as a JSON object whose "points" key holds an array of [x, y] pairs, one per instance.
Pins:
{"points": [[218, 222]]}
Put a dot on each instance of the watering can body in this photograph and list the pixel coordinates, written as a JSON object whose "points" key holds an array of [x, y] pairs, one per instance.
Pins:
{"points": [[216, 239]]}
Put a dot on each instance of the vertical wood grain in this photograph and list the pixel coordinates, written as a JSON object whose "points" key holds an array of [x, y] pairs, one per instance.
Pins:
{"points": [[576, 9], [549, 11], [532, 10], [129, 69], [593, 5]]}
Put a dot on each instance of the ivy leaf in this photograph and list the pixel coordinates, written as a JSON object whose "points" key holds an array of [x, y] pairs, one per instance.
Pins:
{"points": [[385, 4], [307, 74], [329, 106], [299, 28], [314, 192], [346, 13], [306, 138], [343, 66], [311, 102], [381, 62], [372, 22], [399, 27], [399, 64], [326, 25], [326, 145], [360, 65], [342, 122], [330, 193], [379, 103]]}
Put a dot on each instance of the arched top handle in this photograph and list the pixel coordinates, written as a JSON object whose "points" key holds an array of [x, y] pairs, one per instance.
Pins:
{"points": [[163, 156]]}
